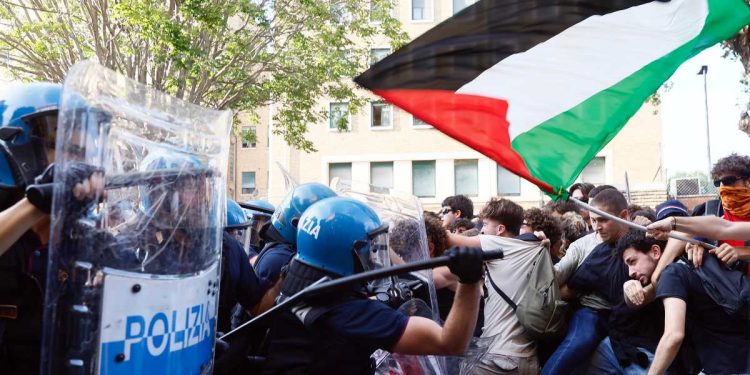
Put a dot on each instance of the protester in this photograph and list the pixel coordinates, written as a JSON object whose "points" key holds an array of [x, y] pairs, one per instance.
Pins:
{"points": [[549, 226], [721, 340], [510, 351], [581, 191], [461, 225], [341, 331], [456, 207], [669, 208], [632, 333], [573, 227]]}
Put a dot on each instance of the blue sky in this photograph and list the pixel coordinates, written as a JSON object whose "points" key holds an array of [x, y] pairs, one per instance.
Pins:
{"points": [[683, 113]]}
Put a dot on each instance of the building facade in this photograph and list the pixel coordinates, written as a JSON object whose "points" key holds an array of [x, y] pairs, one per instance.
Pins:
{"points": [[388, 147]]}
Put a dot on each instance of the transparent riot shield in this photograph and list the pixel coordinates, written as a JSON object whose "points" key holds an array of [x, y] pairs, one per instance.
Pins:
{"points": [[138, 211], [407, 242]]}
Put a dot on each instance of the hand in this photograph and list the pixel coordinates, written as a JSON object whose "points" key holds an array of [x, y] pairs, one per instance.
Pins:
{"points": [[641, 220], [545, 242], [466, 263], [726, 253], [40, 192], [695, 254], [660, 229], [634, 292]]}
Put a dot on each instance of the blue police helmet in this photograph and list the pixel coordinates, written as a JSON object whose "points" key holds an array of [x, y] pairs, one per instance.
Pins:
{"points": [[28, 126], [262, 204], [236, 217], [342, 236], [160, 195], [288, 213]]}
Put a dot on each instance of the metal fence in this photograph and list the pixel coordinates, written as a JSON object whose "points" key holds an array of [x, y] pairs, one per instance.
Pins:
{"points": [[697, 185]]}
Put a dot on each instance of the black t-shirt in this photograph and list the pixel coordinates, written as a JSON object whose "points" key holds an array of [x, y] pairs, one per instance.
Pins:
{"points": [[239, 283], [341, 340], [604, 273], [722, 341]]}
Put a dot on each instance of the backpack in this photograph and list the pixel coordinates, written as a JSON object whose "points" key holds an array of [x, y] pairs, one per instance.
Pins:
{"points": [[542, 311]]}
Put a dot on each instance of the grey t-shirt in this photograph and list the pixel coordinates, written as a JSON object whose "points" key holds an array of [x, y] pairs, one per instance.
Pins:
{"points": [[573, 258]]}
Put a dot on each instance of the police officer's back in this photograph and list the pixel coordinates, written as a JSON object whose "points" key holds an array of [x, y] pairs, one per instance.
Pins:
{"points": [[338, 332]]}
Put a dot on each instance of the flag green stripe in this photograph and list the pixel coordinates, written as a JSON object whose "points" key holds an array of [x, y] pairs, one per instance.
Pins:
{"points": [[557, 150]]}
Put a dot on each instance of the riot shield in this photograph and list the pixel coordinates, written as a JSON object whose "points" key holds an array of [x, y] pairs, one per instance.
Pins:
{"points": [[133, 273], [407, 242]]}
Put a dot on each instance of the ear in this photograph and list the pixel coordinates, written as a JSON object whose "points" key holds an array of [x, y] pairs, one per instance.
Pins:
{"points": [[655, 251], [458, 213], [624, 215], [500, 229]]}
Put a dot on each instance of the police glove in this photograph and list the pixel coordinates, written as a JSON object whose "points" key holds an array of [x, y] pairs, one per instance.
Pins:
{"points": [[40, 192], [466, 263]]}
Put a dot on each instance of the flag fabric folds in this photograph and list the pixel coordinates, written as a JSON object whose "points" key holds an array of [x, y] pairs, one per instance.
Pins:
{"points": [[540, 86]]}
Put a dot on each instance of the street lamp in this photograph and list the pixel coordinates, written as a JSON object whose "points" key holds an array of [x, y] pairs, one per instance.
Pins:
{"points": [[704, 72]]}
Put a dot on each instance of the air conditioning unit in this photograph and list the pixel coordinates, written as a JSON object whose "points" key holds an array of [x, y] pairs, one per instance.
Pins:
{"points": [[681, 187]]}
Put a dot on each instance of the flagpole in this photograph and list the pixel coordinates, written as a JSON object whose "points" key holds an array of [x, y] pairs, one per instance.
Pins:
{"points": [[636, 226]]}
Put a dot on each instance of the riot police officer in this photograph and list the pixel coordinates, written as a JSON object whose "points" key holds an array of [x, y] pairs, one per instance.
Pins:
{"points": [[339, 237], [239, 283], [257, 220], [28, 128], [281, 235]]}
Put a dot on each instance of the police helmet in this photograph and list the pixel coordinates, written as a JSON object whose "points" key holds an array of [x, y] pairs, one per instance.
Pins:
{"points": [[288, 213], [236, 217], [28, 127], [342, 236], [174, 202]]}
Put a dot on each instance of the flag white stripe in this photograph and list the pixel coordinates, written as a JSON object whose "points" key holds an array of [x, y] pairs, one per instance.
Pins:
{"points": [[587, 58]]}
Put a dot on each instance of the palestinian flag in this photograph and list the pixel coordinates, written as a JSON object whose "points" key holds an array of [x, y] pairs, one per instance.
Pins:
{"points": [[540, 86]]}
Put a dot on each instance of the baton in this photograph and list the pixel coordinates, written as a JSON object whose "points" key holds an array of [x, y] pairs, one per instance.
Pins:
{"points": [[326, 285], [251, 206], [636, 226], [119, 181]]}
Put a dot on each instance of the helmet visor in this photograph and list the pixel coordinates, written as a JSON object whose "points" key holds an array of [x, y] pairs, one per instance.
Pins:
{"points": [[43, 126], [373, 253]]}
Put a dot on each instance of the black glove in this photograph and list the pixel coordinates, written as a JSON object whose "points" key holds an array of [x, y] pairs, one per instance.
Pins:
{"points": [[466, 263], [40, 193]]}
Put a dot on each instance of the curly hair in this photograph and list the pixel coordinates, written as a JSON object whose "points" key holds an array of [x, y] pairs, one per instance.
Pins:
{"points": [[573, 227], [539, 220], [637, 240], [403, 234], [436, 234], [734, 164]]}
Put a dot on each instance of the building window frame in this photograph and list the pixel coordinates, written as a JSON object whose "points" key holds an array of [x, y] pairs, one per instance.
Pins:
{"points": [[248, 145], [331, 126], [433, 163], [372, 117], [250, 190], [458, 162], [428, 12]]}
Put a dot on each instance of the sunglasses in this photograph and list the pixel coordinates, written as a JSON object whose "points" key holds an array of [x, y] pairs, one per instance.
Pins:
{"points": [[444, 210], [728, 180]]}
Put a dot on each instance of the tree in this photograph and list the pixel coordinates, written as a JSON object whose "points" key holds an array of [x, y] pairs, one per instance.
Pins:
{"points": [[238, 54]]}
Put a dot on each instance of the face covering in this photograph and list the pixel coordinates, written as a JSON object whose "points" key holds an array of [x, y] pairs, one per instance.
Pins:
{"points": [[736, 200]]}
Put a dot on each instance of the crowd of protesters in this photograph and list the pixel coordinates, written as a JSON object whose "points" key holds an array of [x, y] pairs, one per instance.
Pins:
{"points": [[637, 301]]}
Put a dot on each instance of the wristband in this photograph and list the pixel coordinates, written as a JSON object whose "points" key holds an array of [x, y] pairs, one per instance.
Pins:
{"points": [[674, 223]]}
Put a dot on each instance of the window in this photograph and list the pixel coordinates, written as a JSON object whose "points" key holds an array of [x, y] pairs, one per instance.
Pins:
{"points": [[421, 10], [245, 131], [594, 172], [381, 174], [467, 177], [248, 182], [381, 115], [377, 54], [339, 116], [459, 5], [423, 178], [341, 170], [507, 182], [417, 123]]}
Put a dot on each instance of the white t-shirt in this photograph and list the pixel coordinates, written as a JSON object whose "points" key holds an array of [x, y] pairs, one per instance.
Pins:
{"points": [[509, 274]]}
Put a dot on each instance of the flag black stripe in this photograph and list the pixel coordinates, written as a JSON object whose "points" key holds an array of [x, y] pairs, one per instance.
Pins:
{"points": [[462, 47]]}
